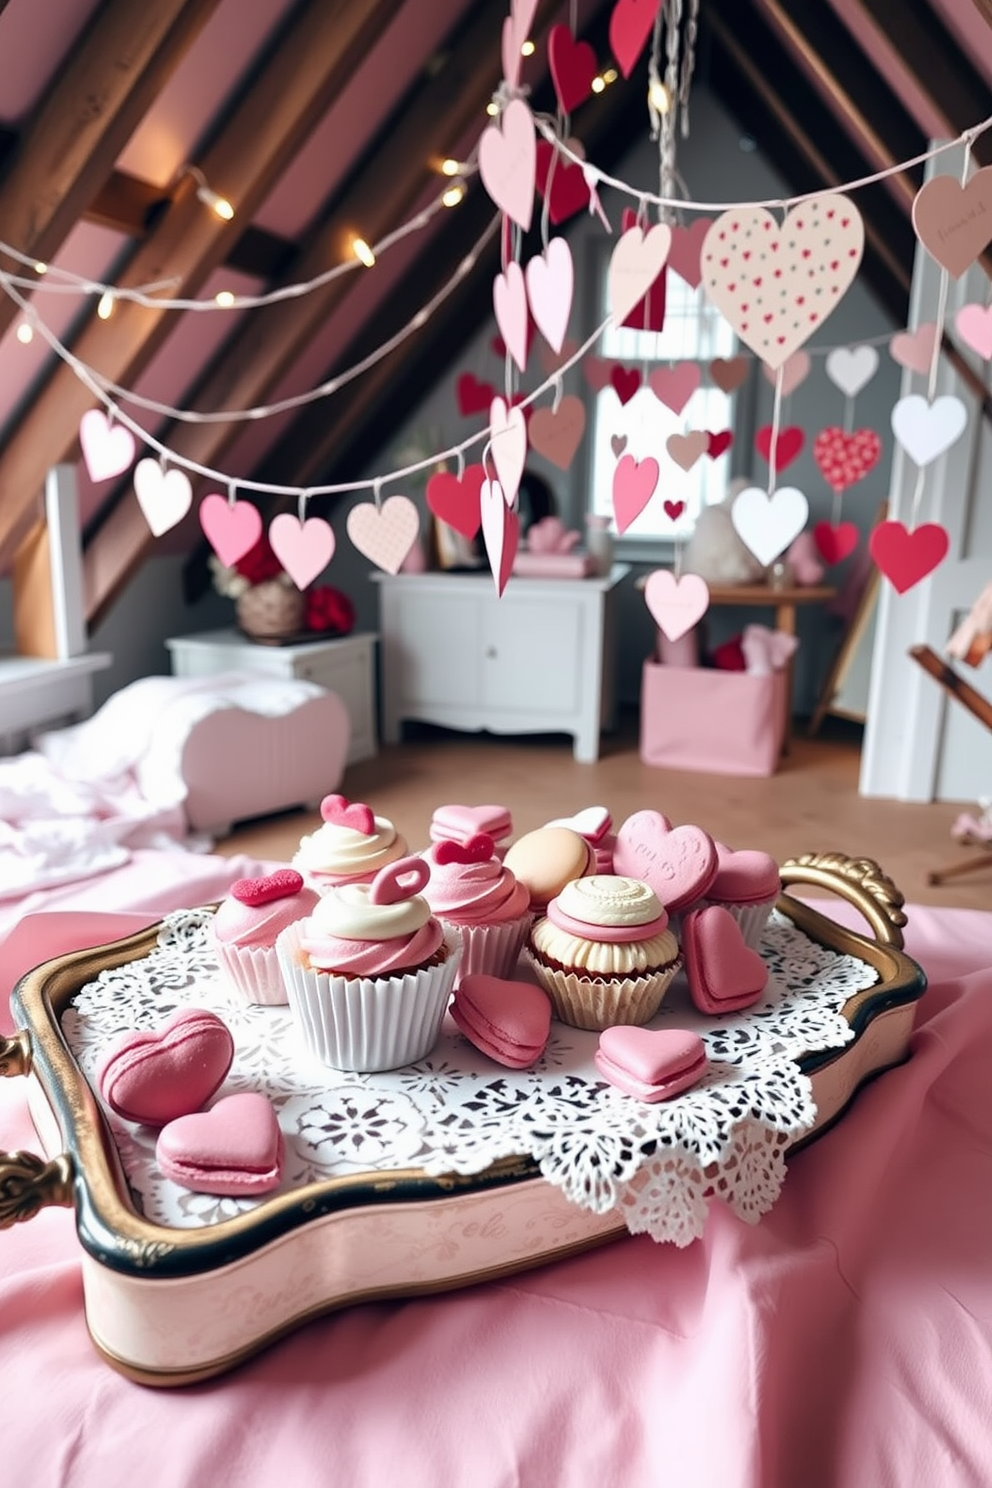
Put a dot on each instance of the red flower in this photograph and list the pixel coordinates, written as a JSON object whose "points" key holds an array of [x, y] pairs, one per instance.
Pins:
{"points": [[329, 609], [260, 563]]}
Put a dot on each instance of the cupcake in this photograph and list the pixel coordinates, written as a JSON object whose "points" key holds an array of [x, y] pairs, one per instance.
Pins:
{"points": [[473, 892], [350, 847], [604, 953], [245, 928], [370, 972], [748, 884], [546, 860]]}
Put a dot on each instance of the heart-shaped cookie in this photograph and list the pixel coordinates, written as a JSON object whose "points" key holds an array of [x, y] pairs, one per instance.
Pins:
{"points": [[652, 1064], [508, 1020], [723, 973], [155, 1077], [338, 811], [475, 849], [235, 1148], [679, 863], [282, 884]]}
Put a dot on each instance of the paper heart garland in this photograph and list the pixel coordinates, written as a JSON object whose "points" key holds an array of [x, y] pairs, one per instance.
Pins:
{"points": [[633, 487], [387, 535], [108, 449], [844, 459], [303, 548], [776, 286], [455, 499], [673, 509], [569, 189], [914, 349], [556, 433], [719, 442], [835, 543], [508, 433], [473, 396], [793, 372], [500, 533], [687, 245], [974, 325], [906, 557], [954, 222], [729, 372], [851, 368], [232, 528], [676, 604], [625, 381], [550, 278], [630, 27], [573, 66], [508, 161], [766, 525], [788, 445], [686, 449], [165, 496], [674, 386], [510, 307], [926, 430], [649, 312], [635, 264]]}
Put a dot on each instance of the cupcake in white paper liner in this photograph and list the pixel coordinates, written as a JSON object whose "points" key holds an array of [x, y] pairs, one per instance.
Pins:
{"points": [[480, 900], [747, 883], [350, 847], [245, 929]]}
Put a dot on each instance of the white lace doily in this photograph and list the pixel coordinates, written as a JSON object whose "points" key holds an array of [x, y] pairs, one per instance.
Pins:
{"points": [[457, 1111]]}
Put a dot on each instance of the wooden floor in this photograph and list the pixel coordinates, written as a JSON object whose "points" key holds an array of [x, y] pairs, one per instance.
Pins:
{"points": [[810, 805]]}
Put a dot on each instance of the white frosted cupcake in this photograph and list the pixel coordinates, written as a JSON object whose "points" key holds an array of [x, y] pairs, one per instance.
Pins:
{"points": [[472, 892], [350, 847], [604, 953], [370, 972]]}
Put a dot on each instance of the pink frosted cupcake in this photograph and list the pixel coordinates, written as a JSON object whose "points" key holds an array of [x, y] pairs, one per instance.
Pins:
{"points": [[246, 926], [472, 892], [369, 974], [748, 884], [350, 847]]}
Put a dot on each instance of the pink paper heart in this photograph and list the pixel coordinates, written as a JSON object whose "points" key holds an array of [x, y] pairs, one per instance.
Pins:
{"points": [[556, 433], [686, 449], [597, 372], [500, 533], [455, 498], [729, 373], [508, 432], [510, 305], [635, 264], [974, 326], [914, 349], [108, 449], [235, 1148], [679, 863], [630, 27], [687, 244], [510, 54], [552, 361], [904, 557], [232, 528], [165, 496], [618, 443], [954, 222], [385, 536], [793, 372], [508, 162], [550, 280], [304, 550], [633, 487], [676, 604], [674, 386]]}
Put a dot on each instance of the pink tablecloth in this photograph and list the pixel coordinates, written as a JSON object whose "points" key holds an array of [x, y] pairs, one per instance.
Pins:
{"points": [[844, 1341]]}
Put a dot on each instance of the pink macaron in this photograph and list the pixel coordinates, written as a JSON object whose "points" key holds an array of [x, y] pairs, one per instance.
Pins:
{"points": [[510, 1021], [456, 823], [234, 1150], [155, 1077], [652, 1064], [723, 972]]}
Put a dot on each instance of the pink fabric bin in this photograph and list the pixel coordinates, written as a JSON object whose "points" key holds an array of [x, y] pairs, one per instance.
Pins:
{"points": [[722, 723]]}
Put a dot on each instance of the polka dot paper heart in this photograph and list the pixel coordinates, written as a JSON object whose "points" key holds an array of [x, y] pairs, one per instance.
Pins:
{"points": [[386, 534], [844, 459]]}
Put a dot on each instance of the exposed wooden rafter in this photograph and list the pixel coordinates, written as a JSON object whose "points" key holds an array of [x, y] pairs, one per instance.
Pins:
{"points": [[304, 68]]}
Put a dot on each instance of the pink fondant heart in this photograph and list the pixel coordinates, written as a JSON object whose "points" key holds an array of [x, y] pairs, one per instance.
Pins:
{"points": [[455, 498], [904, 557], [507, 159], [723, 972], [654, 1056], [154, 1077], [232, 528], [475, 849], [303, 548], [465, 821], [835, 543], [108, 449], [679, 863], [386, 534], [633, 487], [234, 1148], [674, 386], [508, 1020], [676, 604], [282, 884], [399, 880], [338, 811], [843, 458]]}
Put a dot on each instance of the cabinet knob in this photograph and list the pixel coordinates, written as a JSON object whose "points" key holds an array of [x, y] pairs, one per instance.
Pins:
{"points": [[490, 653]]}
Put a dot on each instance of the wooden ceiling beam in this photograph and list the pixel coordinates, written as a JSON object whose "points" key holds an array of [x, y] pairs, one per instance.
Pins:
{"points": [[383, 191], [67, 151], [303, 69]]}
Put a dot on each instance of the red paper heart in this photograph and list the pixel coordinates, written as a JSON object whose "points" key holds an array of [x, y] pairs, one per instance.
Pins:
{"points": [[687, 245], [569, 191], [718, 443], [573, 66], [835, 543], [475, 849], [282, 884], [340, 812], [630, 27], [674, 509], [625, 382], [843, 458], [787, 446], [907, 557], [455, 498], [649, 313], [473, 396]]}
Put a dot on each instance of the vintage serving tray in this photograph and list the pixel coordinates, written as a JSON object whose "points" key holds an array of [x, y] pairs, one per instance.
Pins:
{"points": [[451, 1171]]}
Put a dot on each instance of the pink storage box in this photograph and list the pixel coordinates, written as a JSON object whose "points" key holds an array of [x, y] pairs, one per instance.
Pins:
{"points": [[722, 723]]}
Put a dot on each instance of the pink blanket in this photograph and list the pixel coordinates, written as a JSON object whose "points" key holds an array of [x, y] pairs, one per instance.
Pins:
{"points": [[844, 1342]]}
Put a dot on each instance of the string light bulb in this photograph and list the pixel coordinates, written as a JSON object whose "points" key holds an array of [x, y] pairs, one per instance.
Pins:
{"points": [[106, 305], [224, 298], [453, 195], [598, 84], [219, 205], [40, 267], [492, 108], [25, 333], [363, 252], [658, 97], [527, 48], [451, 167]]}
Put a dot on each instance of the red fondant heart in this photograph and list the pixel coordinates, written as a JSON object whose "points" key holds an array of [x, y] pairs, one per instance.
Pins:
{"points": [[569, 191], [834, 543], [787, 446], [282, 884], [473, 396], [455, 498], [573, 66], [718, 443], [674, 509], [340, 812], [907, 557], [679, 863], [625, 382], [476, 849]]}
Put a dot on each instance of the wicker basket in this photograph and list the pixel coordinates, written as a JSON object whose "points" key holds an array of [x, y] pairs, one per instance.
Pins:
{"points": [[271, 611]]}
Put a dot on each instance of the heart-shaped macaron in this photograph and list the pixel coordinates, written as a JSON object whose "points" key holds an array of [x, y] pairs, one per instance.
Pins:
{"points": [[723, 973], [652, 1064], [744, 875], [338, 811], [234, 1149], [282, 884], [508, 1020], [592, 822], [154, 1077], [679, 863], [475, 849], [462, 822]]}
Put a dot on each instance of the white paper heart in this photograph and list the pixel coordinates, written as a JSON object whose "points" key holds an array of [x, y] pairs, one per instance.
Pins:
{"points": [[500, 532], [304, 549], [108, 449], [925, 430], [676, 604], [550, 284], [776, 286], [385, 536], [165, 496], [510, 305], [766, 525], [851, 368], [508, 162], [635, 264], [508, 431]]}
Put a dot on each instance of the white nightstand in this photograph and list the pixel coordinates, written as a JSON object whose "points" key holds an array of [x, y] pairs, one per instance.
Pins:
{"points": [[345, 665]]}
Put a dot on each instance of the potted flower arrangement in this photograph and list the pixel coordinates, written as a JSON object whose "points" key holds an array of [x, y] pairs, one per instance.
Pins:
{"points": [[268, 604]]}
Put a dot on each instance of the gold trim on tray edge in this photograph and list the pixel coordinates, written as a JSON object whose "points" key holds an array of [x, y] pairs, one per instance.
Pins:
{"points": [[46, 991]]}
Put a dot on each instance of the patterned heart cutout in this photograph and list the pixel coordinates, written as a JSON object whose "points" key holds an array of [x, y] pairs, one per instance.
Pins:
{"points": [[387, 535], [844, 459]]}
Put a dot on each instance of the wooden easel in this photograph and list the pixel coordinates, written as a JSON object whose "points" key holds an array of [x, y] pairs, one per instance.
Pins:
{"points": [[979, 707]]}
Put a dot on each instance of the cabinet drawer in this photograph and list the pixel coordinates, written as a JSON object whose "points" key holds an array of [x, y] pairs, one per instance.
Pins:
{"points": [[436, 651]]}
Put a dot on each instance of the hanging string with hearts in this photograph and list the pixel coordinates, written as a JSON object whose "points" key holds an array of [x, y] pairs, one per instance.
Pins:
{"points": [[776, 420]]}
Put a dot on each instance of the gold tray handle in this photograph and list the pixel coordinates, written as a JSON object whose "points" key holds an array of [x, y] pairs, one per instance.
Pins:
{"points": [[29, 1183], [858, 880], [15, 1054]]}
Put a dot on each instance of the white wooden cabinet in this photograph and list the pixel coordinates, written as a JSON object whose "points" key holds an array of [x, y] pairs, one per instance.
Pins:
{"points": [[345, 665], [538, 660]]}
